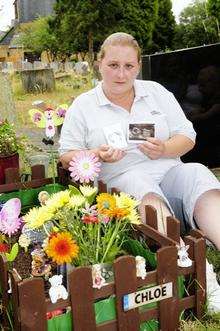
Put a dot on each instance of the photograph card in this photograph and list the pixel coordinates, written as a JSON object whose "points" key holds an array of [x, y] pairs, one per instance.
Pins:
{"points": [[139, 132], [115, 136]]}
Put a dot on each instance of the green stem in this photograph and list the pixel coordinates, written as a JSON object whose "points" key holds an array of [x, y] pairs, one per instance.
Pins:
{"points": [[115, 232], [97, 244]]}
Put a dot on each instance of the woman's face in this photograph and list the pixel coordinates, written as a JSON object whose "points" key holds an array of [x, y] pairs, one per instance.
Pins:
{"points": [[119, 68]]}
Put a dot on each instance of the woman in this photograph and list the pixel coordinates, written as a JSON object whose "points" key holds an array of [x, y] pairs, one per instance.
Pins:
{"points": [[151, 169]]}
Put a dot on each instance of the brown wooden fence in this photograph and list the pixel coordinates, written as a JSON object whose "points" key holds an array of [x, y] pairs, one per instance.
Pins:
{"points": [[30, 304]]}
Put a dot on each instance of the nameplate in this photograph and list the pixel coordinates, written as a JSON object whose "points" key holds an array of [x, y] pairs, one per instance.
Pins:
{"points": [[148, 295]]}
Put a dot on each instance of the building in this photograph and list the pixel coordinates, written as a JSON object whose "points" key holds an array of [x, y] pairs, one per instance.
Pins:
{"points": [[25, 11], [28, 10]]}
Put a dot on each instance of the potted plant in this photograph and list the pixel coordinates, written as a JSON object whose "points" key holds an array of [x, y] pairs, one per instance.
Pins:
{"points": [[10, 146]]}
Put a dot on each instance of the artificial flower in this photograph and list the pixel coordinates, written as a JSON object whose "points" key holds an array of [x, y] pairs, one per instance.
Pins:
{"points": [[76, 201], [134, 217], [84, 167], [118, 212], [36, 217], [4, 248], [124, 200], [87, 219], [62, 248], [105, 203], [10, 222], [58, 200], [24, 241]]}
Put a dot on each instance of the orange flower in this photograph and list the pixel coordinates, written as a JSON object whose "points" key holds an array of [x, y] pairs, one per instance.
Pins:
{"points": [[118, 212], [62, 248], [105, 203]]}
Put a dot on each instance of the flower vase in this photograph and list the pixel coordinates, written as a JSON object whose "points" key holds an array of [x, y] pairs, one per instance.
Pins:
{"points": [[11, 161]]}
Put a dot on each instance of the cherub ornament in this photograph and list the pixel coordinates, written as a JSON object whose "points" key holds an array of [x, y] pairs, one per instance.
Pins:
{"points": [[97, 278], [140, 267], [183, 261], [46, 117]]}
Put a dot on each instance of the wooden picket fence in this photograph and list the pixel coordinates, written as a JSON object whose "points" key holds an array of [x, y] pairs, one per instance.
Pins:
{"points": [[30, 305]]}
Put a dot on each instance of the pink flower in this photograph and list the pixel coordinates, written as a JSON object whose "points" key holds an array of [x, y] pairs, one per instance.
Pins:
{"points": [[84, 167], [9, 217]]}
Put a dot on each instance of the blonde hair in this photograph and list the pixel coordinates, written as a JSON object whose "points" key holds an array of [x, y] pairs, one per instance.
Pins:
{"points": [[122, 39]]}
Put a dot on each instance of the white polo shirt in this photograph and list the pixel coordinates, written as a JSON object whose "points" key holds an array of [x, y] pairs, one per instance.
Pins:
{"points": [[91, 111]]}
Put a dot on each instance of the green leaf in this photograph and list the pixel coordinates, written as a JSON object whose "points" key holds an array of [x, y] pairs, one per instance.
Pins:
{"points": [[74, 190], [14, 252]]}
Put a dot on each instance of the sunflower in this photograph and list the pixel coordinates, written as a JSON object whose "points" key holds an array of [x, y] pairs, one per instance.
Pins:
{"points": [[105, 203], [62, 248]]}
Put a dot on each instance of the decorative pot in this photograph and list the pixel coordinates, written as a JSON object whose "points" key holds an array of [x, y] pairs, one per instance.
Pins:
{"points": [[11, 161]]}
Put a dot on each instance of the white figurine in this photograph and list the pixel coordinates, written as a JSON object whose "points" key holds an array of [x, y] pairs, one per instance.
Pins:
{"points": [[140, 267], [57, 290], [97, 279], [183, 261]]}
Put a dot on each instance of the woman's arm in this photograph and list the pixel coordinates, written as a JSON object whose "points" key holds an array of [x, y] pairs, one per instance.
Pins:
{"points": [[105, 153], [176, 146]]}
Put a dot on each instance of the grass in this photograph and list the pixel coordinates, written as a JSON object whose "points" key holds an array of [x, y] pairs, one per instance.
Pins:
{"points": [[68, 88]]}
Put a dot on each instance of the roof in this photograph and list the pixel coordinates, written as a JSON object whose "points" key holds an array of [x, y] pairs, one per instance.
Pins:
{"points": [[7, 37]]}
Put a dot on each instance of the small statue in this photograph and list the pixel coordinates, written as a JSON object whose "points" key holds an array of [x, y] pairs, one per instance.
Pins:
{"points": [[183, 261], [57, 290], [97, 278], [140, 267], [43, 196], [38, 265]]}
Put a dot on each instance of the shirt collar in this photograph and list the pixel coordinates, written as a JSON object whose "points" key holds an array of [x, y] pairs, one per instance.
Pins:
{"points": [[140, 91]]}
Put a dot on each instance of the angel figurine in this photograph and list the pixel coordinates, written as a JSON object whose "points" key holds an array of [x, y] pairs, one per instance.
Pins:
{"points": [[183, 261], [46, 117]]}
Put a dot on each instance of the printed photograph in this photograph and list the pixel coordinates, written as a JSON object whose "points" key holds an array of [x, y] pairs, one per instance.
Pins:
{"points": [[140, 131]]}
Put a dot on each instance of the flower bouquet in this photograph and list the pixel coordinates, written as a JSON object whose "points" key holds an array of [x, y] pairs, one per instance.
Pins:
{"points": [[79, 226]]}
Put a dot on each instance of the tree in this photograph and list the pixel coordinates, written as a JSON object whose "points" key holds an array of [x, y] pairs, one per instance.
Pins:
{"points": [[196, 26], [164, 31], [213, 7], [82, 25], [35, 36]]}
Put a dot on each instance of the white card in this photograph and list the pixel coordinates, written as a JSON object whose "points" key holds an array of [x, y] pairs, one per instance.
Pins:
{"points": [[115, 136], [139, 132]]}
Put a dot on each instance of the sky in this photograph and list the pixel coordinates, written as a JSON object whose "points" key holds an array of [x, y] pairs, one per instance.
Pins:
{"points": [[7, 12]]}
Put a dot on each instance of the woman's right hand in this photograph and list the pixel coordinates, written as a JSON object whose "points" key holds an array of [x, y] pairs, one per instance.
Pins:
{"points": [[110, 154]]}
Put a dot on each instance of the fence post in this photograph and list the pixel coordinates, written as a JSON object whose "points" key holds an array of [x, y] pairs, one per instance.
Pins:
{"points": [[126, 282], [4, 288], [173, 228], [32, 305], [198, 288], [167, 272], [82, 299], [151, 216]]}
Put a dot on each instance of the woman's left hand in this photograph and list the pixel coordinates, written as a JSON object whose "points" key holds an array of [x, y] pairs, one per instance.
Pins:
{"points": [[154, 148]]}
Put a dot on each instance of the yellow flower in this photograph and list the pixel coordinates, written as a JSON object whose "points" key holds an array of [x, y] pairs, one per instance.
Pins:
{"points": [[76, 201], [36, 217], [134, 217], [62, 248], [87, 190], [118, 212], [123, 200], [105, 203], [58, 200], [24, 241]]}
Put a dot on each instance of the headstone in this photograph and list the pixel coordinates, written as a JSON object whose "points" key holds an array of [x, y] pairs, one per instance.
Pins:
{"points": [[38, 81], [7, 106], [82, 68]]}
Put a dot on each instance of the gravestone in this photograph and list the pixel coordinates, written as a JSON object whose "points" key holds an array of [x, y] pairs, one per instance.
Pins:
{"points": [[38, 81], [7, 106]]}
